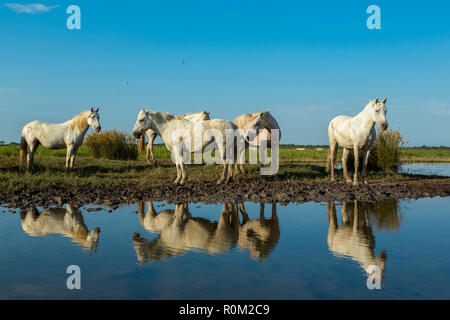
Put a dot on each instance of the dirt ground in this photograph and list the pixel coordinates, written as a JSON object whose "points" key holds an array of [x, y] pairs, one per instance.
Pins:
{"points": [[243, 191]]}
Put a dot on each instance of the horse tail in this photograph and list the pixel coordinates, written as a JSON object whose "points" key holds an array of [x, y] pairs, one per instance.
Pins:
{"points": [[141, 143], [23, 151]]}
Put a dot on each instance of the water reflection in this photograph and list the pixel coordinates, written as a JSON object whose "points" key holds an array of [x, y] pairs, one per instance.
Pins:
{"points": [[68, 222], [181, 232], [354, 237]]}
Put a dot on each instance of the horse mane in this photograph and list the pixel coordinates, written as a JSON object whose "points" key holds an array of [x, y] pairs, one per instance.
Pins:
{"points": [[162, 116], [79, 122]]}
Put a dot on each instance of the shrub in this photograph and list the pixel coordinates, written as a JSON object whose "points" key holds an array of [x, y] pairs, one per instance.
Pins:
{"points": [[386, 151], [385, 155], [113, 145]]}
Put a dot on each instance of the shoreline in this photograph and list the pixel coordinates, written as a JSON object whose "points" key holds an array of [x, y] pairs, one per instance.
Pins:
{"points": [[255, 190]]}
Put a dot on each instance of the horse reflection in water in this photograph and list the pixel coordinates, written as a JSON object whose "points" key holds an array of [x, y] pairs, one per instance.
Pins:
{"points": [[180, 232], [68, 222], [354, 237]]}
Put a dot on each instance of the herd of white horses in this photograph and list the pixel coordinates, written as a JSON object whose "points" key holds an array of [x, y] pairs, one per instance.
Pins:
{"points": [[229, 139]]}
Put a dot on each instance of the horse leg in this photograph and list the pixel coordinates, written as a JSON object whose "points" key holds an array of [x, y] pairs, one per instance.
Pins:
{"points": [[261, 211], [178, 154], [344, 165], [332, 158], [72, 158], [177, 180], [332, 217], [224, 173], [30, 157], [244, 213], [222, 150], [356, 154], [230, 173], [147, 154], [68, 157], [247, 146], [365, 163], [355, 217], [345, 217], [151, 140], [183, 173], [240, 166]]}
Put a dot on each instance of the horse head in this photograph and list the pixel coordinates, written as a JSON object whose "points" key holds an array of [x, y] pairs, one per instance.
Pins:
{"points": [[379, 111], [143, 123], [94, 120], [255, 126]]}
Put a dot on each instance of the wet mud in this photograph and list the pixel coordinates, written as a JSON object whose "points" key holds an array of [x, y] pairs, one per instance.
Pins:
{"points": [[263, 191]]}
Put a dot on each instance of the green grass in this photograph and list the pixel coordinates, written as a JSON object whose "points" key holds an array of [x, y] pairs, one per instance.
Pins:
{"points": [[14, 150], [89, 172], [425, 154], [287, 153]]}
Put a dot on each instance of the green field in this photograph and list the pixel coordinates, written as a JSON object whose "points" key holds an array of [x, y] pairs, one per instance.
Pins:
{"points": [[287, 153], [308, 165]]}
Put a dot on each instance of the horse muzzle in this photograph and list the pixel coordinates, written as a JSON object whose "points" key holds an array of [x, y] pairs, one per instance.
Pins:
{"points": [[98, 129], [137, 134], [384, 126]]}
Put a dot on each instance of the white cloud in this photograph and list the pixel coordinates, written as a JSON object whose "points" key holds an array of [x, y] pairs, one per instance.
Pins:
{"points": [[33, 8]]}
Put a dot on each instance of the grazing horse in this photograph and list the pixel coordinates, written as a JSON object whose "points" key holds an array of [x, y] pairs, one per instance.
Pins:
{"points": [[356, 133], [354, 238], [180, 137], [68, 222], [195, 117], [261, 124], [69, 134]]}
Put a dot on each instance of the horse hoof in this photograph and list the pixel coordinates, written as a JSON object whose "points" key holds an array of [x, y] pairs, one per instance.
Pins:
{"points": [[355, 184], [182, 182], [349, 181]]}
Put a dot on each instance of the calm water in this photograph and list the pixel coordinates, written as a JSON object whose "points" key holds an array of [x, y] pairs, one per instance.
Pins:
{"points": [[158, 251], [440, 169]]}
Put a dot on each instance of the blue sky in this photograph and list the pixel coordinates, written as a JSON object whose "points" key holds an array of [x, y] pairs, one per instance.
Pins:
{"points": [[306, 62]]}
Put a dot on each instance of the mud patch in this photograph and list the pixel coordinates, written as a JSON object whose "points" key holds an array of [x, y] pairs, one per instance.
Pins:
{"points": [[240, 191]]}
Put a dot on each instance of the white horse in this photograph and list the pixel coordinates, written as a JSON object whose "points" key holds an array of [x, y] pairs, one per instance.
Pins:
{"points": [[195, 117], [179, 136], [69, 134], [256, 129], [262, 123], [68, 222], [356, 133], [354, 239]]}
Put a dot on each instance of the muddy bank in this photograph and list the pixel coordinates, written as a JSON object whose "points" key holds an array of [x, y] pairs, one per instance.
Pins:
{"points": [[241, 191]]}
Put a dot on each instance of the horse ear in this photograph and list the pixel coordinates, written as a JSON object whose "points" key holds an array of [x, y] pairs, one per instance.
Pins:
{"points": [[98, 109], [385, 100], [92, 109], [377, 100]]}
